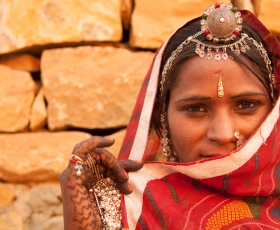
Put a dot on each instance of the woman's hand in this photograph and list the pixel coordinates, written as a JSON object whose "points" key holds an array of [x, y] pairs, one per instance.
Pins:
{"points": [[80, 211]]}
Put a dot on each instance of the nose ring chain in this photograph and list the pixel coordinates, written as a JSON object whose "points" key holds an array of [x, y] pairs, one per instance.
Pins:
{"points": [[238, 141]]}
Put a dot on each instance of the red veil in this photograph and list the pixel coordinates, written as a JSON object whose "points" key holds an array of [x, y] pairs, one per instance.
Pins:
{"points": [[239, 190]]}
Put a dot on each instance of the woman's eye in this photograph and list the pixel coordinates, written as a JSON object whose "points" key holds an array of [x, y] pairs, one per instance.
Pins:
{"points": [[195, 109], [246, 105]]}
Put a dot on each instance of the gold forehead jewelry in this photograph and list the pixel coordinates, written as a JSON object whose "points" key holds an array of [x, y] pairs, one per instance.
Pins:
{"points": [[220, 88], [221, 23]]}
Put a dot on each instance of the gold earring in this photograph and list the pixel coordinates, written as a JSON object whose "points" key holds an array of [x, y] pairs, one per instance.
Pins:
{"points": [[220, 88], [166, 142], [238, 142]]}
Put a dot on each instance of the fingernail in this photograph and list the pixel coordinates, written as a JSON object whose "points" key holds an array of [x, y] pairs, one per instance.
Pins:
{"points": [[129, 186], [126, 174], [109, 138], [138, 161]]}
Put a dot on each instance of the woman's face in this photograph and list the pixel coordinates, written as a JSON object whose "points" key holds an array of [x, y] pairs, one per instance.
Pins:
{"points": [[201, 124]]}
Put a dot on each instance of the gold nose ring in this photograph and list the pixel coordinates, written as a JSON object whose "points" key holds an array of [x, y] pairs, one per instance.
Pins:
{"points": [[238, 141]]}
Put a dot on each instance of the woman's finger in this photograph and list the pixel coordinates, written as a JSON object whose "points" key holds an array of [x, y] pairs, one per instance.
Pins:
{"points": [[130, 165], [124, 187], [113, 169], [89, 145], [116, 170]]}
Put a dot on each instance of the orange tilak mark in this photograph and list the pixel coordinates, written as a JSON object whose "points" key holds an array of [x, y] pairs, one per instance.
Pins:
{"points": [[221, 101]]}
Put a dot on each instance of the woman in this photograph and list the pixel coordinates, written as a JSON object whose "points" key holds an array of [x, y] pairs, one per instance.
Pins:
{"points": [[211, 99]]}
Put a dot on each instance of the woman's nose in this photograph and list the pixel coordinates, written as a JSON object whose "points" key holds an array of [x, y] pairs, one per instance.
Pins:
{"points": [[221, 129]]}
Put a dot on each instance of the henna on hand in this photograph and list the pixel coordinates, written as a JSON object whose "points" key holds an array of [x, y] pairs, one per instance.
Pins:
{"points": [[80, 211]]}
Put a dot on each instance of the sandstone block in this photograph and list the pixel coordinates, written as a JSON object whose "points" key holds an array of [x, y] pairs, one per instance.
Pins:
{"points": [[92, 87], [58, 21], [38, 117], [268, 13], [7, 195], [38, 205], [11, 221], [46, 207], [244, 5], [16, 97], [24, 62], [21, 202], [44, 195], [153, 21], [126, 12], [55, 223], [36, 156]]}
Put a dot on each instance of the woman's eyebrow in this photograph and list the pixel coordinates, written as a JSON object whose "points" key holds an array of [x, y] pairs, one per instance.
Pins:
{"points": [[194, 98], [249, 94], [198, 98]]}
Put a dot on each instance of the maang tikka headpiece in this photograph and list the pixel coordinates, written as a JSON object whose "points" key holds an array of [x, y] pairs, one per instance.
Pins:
{"points": [[222, 24]]}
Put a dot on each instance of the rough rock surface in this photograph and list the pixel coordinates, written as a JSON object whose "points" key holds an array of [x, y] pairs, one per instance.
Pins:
{"points": [[17, 91], [58, 21], [46, 207], [153, 21], [38, 117], [126, 11], [11, 221], [92, 87], [36, 156], [268, 13], [244, 5], [6, 194], [35, 207]]}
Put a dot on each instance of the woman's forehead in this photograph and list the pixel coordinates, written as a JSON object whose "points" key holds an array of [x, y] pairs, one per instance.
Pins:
{"points": [[202, 75], [205, 66]]}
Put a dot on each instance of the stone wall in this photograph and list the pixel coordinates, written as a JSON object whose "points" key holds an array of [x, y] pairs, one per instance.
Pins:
{"points": [[70, 70]]}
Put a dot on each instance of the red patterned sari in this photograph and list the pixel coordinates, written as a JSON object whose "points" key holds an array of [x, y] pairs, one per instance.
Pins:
{"points": [[239, 190]]}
